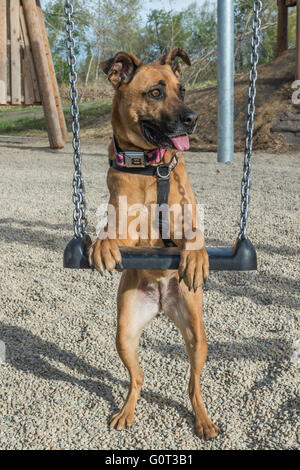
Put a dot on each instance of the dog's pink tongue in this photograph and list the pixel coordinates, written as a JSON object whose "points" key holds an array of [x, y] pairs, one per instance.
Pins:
{"points": [[181, 142]]}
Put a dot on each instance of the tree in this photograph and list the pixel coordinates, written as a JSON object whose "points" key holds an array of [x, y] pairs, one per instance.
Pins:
{"points": [[243, 26], [55, 24], [164, 30]]}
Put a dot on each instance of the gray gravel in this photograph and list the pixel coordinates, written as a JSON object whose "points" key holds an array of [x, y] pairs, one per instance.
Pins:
{"points": [[62, 378]]}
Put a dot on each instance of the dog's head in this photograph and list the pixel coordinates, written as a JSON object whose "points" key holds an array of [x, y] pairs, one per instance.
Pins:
{"points": [[149, 107]]}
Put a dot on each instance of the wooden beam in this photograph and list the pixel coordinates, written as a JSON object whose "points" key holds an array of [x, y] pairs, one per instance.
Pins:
{"points": [[28, 63], [298, 42], [282, 28], [42, 69], [37, 96], [60, 113], [15, 58], [290, 3], [3, 53]]}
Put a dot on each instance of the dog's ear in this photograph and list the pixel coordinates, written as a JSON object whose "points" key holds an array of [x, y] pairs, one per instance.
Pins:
{"points": [[121, 68], [170, 59]]}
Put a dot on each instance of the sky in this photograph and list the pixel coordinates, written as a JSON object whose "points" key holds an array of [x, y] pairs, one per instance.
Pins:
{"points": [[161, 4], [168, 4]]}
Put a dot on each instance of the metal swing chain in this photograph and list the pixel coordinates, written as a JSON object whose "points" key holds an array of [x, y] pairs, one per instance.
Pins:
{"points": [[246, 180], [78, 198]]}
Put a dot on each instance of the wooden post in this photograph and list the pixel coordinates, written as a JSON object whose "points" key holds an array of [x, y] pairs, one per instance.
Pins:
{"points": [[29, 59], [3, 52], [15, 52], [298, 42], [30, 81], [45, 85], [60, 113], [282, 27]]}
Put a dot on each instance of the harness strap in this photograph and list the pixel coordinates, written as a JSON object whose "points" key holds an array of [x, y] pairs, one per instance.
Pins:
{"points": [[162, 172], [163, 186]]}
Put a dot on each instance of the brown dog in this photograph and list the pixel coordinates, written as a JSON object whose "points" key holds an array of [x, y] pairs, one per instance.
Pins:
{"points": [[149, 113]]}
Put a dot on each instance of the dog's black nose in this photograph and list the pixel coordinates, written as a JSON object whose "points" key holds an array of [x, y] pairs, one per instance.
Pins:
{"points": [[189, 118]]}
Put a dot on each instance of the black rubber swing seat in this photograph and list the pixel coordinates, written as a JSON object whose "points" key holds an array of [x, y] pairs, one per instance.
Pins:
{"points": [[240, 258]]}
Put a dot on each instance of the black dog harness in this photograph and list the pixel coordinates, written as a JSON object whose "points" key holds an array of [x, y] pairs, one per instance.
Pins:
{"points": [[139, 163]]}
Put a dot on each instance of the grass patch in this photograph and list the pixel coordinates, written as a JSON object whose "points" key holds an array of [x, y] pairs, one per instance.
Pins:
{"points": [[89, 114], [201, 84], [16, 126], [4, 110]]}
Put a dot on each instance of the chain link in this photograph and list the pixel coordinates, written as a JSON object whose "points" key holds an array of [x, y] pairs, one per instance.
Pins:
{"points": [[254, 57], [78, 198]]}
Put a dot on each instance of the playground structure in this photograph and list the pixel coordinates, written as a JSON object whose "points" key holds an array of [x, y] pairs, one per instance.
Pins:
{"points": [[27, 75], [282, 30]]}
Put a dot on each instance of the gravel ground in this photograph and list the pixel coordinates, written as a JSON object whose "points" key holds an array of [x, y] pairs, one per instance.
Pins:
{"points": [[62, 378]]}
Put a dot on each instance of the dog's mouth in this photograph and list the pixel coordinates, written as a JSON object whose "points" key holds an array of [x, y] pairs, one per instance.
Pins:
{"points": [[154, 134], [181, 142]]}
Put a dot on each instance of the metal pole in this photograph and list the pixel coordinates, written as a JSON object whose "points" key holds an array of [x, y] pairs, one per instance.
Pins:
{"points": [[225, 81]]}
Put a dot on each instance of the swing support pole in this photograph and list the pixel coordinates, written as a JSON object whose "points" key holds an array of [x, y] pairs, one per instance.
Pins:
{"points": [[225, 81]]}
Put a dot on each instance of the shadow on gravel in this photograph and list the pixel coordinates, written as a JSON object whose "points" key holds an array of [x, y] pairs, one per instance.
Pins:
{"points": [[275, 353], [278, 250], [261, 293], [34, 223], [289, 407], [260, 286], [33, 148], [288, 411], [27, 234], [256, 349], [30, 354]]}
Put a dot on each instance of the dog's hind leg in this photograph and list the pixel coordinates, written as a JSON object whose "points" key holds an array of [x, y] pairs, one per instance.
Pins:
{"points": [[184, 308], [138, 303]]}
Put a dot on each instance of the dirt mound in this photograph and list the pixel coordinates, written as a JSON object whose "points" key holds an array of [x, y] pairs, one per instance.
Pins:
{"points": [[93, 92], [274, 94]]}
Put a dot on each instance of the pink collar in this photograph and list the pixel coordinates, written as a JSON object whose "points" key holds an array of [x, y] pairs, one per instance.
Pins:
{"points": [[130, 158]]}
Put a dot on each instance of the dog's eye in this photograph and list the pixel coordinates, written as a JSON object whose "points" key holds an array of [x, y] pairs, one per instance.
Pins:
{"points": [[156, 93]]}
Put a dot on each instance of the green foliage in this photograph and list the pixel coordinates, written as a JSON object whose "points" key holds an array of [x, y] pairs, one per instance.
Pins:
{"points": [[292, 26], [163, 31], [243, 25], [55, 24], [201, 24], [104, 27]]}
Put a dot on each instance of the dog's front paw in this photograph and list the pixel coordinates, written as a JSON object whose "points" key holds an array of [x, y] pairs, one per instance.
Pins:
{"points": [[104, 254], [206, 429], [123, 419], [194, 268]]}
